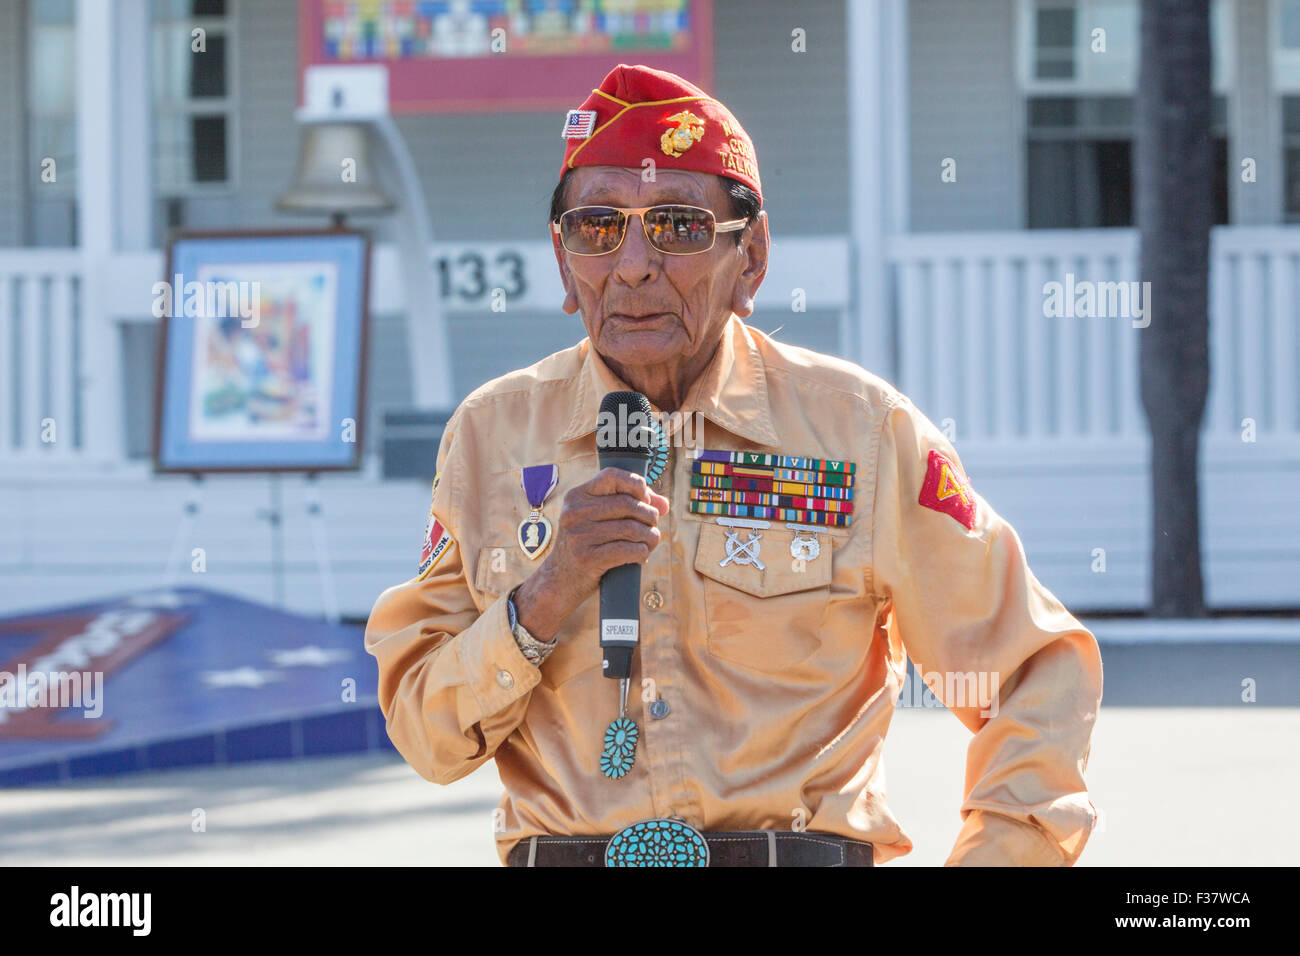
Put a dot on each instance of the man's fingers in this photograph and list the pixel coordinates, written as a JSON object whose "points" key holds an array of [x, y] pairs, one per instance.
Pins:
{"points": [[612, 554], [612, 507], [616, 481], [627, 529], [596, 533]]}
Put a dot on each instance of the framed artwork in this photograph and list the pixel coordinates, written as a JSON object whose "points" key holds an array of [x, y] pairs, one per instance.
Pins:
{"points": [[262, 351], [447, 56]]}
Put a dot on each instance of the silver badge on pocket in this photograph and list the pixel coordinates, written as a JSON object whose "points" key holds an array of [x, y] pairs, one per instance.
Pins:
{"points": [[803, 548], [743, 552]]}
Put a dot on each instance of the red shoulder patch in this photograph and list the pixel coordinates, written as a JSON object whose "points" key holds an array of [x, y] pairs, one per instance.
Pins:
{"points": [[946, 489], [437, 541]]}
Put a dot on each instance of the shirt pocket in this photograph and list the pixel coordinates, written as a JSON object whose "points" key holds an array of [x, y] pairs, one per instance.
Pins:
{"points": [[501, 569], [768, 618]]}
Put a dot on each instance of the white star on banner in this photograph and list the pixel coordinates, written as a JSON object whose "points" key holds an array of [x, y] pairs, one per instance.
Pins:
{"points": [[240, 677], [309, 656]]}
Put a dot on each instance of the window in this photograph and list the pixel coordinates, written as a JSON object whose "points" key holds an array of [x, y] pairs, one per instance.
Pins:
{"points": [[51, 124], [1079, 161], [1054, 54], [1286, 52], [1286, 79], [1093, 45], [1289, 25], [1291, 157], [194, 106], [1079, 68], [1069, 50]]}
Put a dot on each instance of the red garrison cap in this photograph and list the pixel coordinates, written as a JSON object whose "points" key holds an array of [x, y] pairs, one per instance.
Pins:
{"points": [[639, 113]]}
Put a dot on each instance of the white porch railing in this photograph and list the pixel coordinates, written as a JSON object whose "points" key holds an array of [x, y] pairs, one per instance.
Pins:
{"points": [[41, 354], [974, 343], [39, 365]]}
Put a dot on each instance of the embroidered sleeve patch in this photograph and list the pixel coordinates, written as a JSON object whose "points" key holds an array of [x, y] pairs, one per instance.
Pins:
{"points": [[946, 489], [437, 542]]}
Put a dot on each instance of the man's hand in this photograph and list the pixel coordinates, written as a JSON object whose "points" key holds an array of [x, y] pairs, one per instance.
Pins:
{"points": [[611, 520]]}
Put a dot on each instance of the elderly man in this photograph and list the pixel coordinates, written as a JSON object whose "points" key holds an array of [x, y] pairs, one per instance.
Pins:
{"points": [[817, 532]]}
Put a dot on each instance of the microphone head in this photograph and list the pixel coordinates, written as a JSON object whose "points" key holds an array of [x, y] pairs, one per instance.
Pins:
{"points": [[625, 424]]}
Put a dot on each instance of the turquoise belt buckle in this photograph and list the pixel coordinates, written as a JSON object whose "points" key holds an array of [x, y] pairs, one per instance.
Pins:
{"points": [[657, 843]]}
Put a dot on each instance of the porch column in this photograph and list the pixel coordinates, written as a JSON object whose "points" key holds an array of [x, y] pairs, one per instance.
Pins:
{"points": [[878, 148], [114, 189], [134, 176]]}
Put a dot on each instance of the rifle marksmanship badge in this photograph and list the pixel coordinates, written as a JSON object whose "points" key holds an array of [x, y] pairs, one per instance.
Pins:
{"points": [[809, 494], [538, 481], [743, 552]]}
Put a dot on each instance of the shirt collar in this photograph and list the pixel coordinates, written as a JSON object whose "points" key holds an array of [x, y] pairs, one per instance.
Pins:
{"points": [[731, 392]]}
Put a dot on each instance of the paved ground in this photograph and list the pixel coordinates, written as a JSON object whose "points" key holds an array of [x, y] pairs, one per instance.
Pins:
{"points": [[1178, 786]]}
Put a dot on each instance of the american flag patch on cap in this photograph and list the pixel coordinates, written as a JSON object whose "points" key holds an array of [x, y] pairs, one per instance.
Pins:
{"points": [[579, 124]]}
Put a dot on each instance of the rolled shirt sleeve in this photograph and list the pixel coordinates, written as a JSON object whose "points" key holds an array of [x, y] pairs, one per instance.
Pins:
{"points": [[972, 615], [453, 683]]}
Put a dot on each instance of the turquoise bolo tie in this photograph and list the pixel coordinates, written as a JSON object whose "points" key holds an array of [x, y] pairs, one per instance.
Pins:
{"points": [[622, 734], [620, 739]]}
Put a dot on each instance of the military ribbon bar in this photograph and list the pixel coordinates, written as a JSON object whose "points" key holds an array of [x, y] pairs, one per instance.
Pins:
{"points": [[771, 473], [778, 501], [795, 462], [800, 515], [775, 487]]}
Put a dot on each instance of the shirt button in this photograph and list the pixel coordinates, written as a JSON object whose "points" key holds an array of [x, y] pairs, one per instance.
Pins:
{"points": [[505, 679], [659, 709], [653, 599]]}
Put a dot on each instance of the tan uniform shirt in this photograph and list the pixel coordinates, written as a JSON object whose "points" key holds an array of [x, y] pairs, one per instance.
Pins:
{"points": [[780, 683]]}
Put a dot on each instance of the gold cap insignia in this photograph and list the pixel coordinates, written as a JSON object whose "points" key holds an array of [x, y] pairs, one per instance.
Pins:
{"points": [[688, 131]]}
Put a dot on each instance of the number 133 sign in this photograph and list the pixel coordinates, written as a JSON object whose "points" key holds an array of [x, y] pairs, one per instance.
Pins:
{"points": [[497, 277]]}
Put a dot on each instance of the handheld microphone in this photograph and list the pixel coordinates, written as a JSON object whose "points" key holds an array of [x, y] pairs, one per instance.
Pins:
{"points": [[623, 438]]}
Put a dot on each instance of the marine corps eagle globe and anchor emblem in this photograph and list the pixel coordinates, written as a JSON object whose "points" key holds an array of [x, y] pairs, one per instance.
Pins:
{"points": [[689, 131]]}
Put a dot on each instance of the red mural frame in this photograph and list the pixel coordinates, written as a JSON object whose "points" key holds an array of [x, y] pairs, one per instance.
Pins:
{"points": [[498, 83]]}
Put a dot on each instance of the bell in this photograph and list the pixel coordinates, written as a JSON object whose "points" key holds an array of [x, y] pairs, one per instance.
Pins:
{"points": [[326, 182]]}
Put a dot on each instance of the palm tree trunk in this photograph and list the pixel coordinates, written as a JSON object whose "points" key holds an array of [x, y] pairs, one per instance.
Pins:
{"points": [[1175, 208]]}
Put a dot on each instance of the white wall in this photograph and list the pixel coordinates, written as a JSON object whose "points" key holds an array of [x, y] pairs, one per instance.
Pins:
{"points": [[964, 104]]}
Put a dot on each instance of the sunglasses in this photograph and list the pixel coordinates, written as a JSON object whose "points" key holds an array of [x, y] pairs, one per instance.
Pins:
{"points": [[672, 229]]}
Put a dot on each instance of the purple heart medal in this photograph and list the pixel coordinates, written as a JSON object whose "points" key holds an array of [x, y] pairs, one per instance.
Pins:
{"points": [[538, 481]]}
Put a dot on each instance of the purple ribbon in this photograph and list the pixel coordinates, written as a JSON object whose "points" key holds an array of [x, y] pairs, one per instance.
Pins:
{"points": [[705, 454], [538, 481]]}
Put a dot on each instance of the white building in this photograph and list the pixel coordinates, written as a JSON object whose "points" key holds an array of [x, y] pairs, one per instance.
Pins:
{"points": [[930, 168]]}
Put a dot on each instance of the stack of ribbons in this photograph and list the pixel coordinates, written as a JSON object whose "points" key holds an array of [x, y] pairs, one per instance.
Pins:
{"points": [[742, 484]]}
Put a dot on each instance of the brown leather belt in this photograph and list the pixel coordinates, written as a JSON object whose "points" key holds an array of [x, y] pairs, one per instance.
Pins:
{"points": [[738, 848]]}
